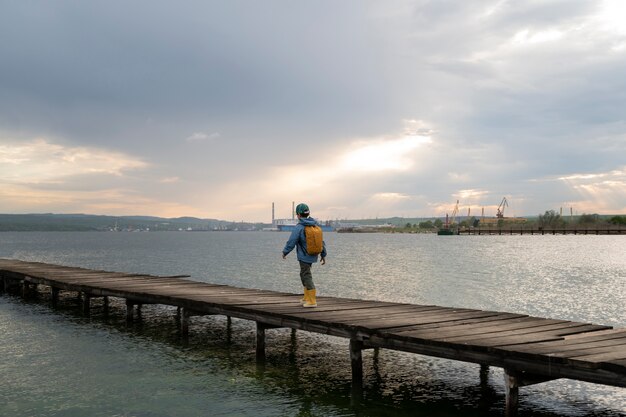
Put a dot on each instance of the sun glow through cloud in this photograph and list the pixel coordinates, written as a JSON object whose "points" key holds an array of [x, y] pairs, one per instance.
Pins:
{"points": [[598, 192], [612, 16], [384, 155]]}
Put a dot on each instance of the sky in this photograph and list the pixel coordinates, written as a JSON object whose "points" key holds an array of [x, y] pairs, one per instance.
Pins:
{"points": [[361, 109]]}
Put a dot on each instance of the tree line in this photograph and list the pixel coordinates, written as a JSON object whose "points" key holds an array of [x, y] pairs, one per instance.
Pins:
{"points": [[550, 219]]}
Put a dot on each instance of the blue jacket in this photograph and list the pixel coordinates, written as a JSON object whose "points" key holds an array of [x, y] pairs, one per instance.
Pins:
{"points": [[298, 240]]}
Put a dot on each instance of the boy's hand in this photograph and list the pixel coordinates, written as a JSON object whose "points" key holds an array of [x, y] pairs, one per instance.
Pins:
{"points": [[323, 261], [284, 256]]}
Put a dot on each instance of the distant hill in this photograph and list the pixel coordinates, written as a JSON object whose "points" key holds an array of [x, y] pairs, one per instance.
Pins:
{"points": [[88, 222]]}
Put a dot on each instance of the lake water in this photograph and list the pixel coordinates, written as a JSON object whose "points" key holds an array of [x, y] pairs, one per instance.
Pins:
{"points": [[58, 363]]}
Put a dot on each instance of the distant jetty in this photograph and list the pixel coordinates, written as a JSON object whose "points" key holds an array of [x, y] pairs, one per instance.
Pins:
{"points": [[517, 230]]}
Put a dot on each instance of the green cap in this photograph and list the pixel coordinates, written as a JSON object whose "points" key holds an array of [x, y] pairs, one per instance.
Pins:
{"points": [[302, 209]]}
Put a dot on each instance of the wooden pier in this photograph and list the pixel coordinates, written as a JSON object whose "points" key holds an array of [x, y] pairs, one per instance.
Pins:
{"points": [[530, 349], [520, 230]]}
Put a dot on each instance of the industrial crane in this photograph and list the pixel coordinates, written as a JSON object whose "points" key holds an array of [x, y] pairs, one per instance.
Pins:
{"points": [[503, 204], [446, 230], [455, 212]]}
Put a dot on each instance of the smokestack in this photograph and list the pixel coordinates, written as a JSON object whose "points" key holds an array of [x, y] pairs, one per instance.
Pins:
{"points": [[273, 214], [293, 210]]}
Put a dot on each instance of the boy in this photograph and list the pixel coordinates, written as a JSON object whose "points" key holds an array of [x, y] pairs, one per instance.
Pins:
{"points": [[298, 240]]}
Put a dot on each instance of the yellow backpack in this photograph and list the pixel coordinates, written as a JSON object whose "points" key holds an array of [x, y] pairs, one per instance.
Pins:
{"points": [[314, 239]]}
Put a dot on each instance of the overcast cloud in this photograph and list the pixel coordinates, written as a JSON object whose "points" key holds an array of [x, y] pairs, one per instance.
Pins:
{"points": [[359, 108]]}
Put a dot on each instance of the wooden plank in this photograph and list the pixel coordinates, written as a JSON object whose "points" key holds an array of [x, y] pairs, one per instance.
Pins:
{"points": [[402, 316], [326, 302], [481, 329], [515, 340], [610, 361], [535, 326], [297, 308], [600, 333], [574, 340], [551, 332], [242, 302], [556, 347], [443, 311], [164, 284], [617, 353], [49, 272], [85, 278], [333, 302], [398, 324], [95, 282], [487, 319], [590, 351], [363, 313]]}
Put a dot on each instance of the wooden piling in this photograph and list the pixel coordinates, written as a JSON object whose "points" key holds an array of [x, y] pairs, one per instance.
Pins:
{"points": [[260, 341], [129, 310], [484, 375], [229, 329], [54, 295], [184, 323], [511, 393], [356, 361], [86, 303]]}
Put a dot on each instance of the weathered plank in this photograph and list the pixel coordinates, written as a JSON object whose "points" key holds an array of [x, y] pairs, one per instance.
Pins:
{"points": [[488, 319], [554, 327]]}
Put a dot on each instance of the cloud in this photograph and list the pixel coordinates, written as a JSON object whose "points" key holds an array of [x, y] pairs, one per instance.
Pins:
{"points": [[21, 198], [170, 180], [603, 192], [40, 161], [526, 37], [202, 137]]}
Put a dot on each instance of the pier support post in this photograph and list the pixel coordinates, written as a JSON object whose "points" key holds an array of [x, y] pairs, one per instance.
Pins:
{"points": [[129, 310], [105, 305], [86, 303], [54, 293], [260, 341], [356, 362], [484, 375], [184, 323], [512, 393], [29, 289], [229, 330]]}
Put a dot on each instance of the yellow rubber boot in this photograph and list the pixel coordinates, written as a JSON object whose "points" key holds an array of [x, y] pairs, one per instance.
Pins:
{"points": [[311, 301], [305, 297]]}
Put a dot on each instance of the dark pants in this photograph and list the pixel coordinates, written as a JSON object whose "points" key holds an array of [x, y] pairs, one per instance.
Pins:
{"points": [[306, 276]]}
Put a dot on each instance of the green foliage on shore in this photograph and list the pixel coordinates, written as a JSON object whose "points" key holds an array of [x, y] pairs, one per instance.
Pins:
{"points": [[618, 220], [84, 222]]}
